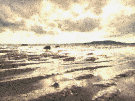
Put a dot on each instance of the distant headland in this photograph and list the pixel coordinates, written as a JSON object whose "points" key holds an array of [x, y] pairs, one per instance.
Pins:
{"points": [[108, 42]]}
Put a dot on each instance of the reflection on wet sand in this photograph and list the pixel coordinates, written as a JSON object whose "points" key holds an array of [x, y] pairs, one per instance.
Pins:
{"points": [[8, 73]]}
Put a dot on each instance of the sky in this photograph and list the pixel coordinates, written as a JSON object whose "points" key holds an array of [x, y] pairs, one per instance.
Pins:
{"points": [[66, 21]]}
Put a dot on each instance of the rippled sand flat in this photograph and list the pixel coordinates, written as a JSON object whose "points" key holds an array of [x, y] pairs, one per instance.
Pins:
{"points": [[67, 73]]}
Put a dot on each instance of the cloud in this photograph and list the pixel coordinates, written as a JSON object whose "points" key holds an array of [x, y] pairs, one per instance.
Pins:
{"points": [[118, 19], [14, 26], [64, 4], [93, 5], [124, 25], [24, 8], [97, 5], [128, 2], [6, 23], [25, 15], [15, 13], [132, 27], [113, 18], [38, 29], [50, 27], [82, 25]]}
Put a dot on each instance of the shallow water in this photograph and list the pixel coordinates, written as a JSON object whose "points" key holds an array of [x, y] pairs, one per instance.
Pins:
{"points": [[67, 73]]}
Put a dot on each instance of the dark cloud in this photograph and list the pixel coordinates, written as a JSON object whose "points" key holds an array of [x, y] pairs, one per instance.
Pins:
{"points": [[124, 25], [11, 25], [132, 27], [96, 5], [83, 25], [38, 29], [24, 8], [93, 5], [65, 4], [10, 9], [127, 29], [6, 23]]}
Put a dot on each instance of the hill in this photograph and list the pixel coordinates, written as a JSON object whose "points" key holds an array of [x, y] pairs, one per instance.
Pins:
{"points": [[109, 42]]}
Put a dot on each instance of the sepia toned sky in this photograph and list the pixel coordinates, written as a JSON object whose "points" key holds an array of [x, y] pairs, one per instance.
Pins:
{"points": [[66, 21]]}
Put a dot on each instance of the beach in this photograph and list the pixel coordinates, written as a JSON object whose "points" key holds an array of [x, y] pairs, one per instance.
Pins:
{"points": [[67, 72]]}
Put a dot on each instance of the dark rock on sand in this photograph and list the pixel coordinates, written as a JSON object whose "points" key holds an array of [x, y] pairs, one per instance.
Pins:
{"points": [[91, 59], [24, 44], [105, 84], [5, 51], [88, 76], [90, 54], [58, 56], [55, 85], [69, 59], [47, 47], [127, 73], [57, 46]]}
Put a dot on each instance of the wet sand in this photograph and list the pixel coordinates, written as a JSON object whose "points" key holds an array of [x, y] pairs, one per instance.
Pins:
{"points": [[67, 73]]}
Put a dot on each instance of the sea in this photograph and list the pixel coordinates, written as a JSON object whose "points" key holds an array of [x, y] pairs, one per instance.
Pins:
{"points": [[67, 72]]}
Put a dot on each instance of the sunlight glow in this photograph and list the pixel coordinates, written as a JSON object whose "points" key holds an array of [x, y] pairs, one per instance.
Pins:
{"points": [[113, 9], [77, 8]]}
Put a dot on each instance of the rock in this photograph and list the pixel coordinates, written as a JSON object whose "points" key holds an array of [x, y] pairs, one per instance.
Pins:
{"points": [[55, 85], [24, 44], [47, 47], [91, 59], [105, 83], [88, 76], [58, 56], [57, 46], [69, 59], [90, 54]]}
